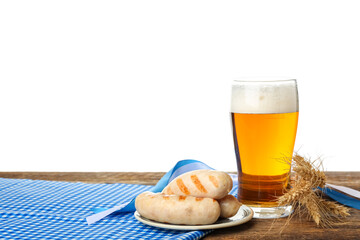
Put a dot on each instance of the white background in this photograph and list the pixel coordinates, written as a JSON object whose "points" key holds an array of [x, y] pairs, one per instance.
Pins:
{"points": [[139, 85]]}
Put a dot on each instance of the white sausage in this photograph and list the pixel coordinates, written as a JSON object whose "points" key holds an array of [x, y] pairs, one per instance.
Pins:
{"points": [[229, 206], [177, 209], [201, 183]]}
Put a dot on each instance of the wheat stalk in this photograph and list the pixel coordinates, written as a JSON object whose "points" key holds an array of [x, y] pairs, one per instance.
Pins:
{"points": [[303, 196]]}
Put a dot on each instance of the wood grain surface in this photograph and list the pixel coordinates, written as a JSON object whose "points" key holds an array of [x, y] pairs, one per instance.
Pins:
{"points": [[298, 228]]}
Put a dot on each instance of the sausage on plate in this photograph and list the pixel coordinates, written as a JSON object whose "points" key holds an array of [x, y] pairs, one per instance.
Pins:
{"points": [[201, 183], [177, 209], [229, 206]]}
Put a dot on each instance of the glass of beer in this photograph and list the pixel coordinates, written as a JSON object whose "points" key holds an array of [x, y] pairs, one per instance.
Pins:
{"points": [[264, 116]]}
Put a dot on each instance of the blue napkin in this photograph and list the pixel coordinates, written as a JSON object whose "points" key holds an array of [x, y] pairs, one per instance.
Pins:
{"points": [[38, 209]]}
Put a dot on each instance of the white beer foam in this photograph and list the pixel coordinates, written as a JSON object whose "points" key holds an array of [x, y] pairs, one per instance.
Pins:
{"points": [[264, 97]]}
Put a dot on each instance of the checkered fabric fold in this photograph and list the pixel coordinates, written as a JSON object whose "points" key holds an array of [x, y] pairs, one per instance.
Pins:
{"points": [[37, 209]]}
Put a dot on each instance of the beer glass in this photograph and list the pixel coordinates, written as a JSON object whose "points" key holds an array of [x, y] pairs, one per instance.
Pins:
{"points": [[264, 115]]}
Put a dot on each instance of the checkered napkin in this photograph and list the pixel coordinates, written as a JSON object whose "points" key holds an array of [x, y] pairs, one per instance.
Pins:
{"points": [[37, 209]]}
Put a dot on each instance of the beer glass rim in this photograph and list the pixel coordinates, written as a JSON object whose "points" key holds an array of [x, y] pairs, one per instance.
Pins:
{"points": [[264, 79]]}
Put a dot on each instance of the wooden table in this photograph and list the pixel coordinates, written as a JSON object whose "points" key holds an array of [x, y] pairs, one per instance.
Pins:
{"points": [[255, 229]]}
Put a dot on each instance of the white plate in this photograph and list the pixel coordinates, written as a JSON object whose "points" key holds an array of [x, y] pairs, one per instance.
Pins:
{"points": [[242, 216]]}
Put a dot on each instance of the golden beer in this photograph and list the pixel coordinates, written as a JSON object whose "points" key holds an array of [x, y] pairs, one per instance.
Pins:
{"points": [[264, 117], [263, 143]]}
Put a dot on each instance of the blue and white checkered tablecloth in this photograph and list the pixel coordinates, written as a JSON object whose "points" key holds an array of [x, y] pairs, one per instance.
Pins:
{"points": [[37, 209]]}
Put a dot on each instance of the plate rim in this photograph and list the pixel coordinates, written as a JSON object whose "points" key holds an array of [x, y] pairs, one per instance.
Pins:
{"points": [[215, 225]]}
